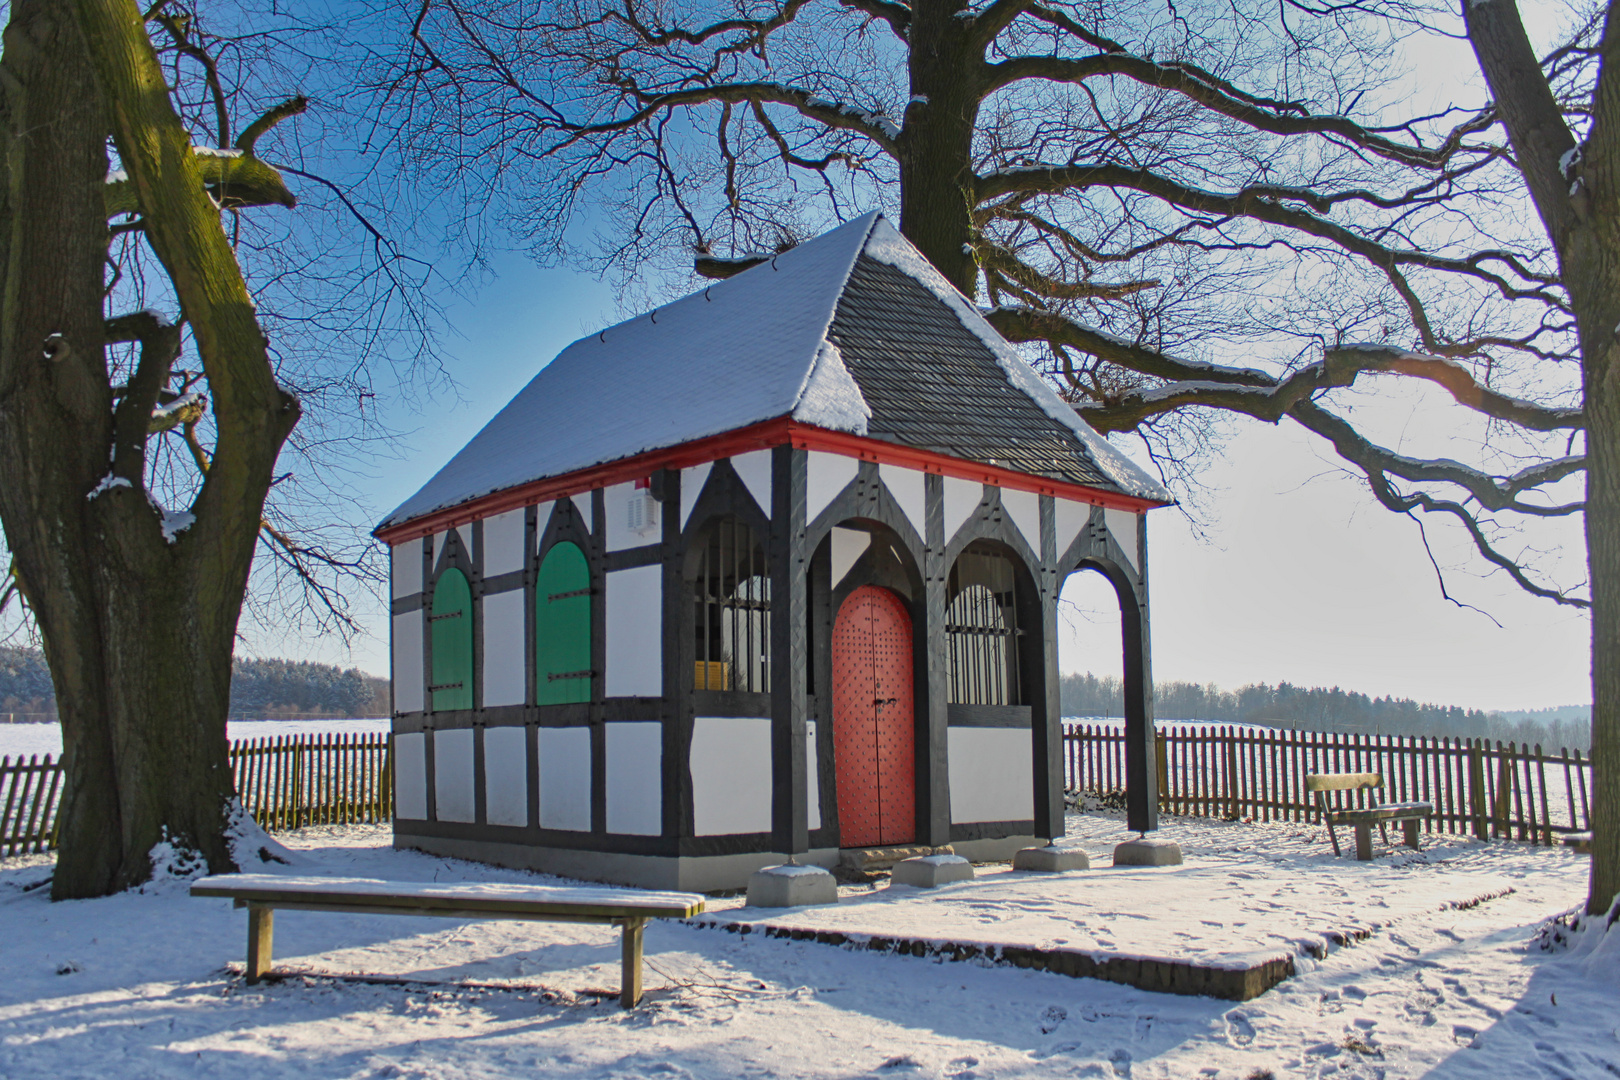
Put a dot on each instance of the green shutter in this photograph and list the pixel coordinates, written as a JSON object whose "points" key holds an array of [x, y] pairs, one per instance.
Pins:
{"points": [[562, 627], [452, 681]]}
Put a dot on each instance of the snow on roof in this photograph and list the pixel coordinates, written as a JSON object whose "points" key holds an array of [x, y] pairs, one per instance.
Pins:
{"points": [[750, 348]]}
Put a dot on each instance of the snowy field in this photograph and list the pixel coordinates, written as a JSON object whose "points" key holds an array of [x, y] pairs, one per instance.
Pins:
{"points": [[138, 985], [23, 740]]}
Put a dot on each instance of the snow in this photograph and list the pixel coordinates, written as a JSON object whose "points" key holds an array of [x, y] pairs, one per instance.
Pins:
{"points": [[830, 398], [740, 351], [175, 522], [887, 245], [163, 412], [107, 483], [138, 985], [747, 349], [22, 740], [216, 151]]}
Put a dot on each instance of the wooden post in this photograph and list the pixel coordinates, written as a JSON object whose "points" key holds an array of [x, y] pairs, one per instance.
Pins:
{"points": [[1161, 762], [1229, 736], [261, 925], [1476, 790], [630, 964], [1502, 811]]}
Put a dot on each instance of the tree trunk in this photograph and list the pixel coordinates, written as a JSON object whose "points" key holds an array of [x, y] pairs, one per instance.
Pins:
{"points": [[936, 204], [138, 623]]}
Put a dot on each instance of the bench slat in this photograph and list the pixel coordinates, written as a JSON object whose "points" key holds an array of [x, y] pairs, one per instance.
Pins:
{"points": [[1387, 812], [465, 899], [1350, 781]]}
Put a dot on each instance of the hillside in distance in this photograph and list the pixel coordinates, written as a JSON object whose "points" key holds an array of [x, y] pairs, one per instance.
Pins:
{"points": [[260, 689]]}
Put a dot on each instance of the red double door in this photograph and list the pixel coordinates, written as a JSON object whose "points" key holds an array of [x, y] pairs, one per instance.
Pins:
{"points": [[874, 731]]}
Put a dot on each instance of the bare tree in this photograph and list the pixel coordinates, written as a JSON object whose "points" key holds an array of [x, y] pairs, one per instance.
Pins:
{"points": [[1138, 192], [133, 481]]}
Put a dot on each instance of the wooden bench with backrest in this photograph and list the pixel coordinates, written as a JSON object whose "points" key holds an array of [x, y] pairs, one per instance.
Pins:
{"points": [[1409, 814], [262, 894]]}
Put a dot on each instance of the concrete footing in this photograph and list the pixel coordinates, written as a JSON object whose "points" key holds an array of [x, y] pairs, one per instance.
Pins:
{"points": [[1148, 851], [791, 886], [1051, 858], [930, 870]]}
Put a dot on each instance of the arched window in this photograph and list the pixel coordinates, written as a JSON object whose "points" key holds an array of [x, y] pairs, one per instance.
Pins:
{"points": [[562, 627], [732, 615], [981, 630], [452, 681]]}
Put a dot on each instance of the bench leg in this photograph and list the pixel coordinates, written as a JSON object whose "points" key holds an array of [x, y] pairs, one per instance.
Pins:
{"points": [[1333, 836], [1410, 827], [630, 976], [261, 925], [1363, 841]]}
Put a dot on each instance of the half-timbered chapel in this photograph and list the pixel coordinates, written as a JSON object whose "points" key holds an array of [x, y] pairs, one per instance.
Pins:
{"points": [[769, 571]]}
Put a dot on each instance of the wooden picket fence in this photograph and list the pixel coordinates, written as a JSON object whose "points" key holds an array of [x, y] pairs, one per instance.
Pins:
{"points": [[285, 782], [1259, 774]]}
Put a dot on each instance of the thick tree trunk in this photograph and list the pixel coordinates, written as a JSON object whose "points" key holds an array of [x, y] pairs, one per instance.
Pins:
{"points": [[1578, 200], [936, 204], [138, 626]]}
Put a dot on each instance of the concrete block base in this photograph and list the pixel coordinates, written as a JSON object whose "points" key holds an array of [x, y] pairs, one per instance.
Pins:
{"points": [[1052, 858], [791, 886], [931, 870], [1148, 851]]}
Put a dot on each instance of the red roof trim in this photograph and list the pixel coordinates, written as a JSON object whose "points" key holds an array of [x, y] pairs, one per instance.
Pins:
{"points": [[759, 436]]}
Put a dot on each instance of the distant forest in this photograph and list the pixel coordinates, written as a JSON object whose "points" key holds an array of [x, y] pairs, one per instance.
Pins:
{"points": [[260, 689], [1321, 709]]}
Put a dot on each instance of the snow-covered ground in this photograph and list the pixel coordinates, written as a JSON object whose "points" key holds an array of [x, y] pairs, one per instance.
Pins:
{"points": [[23, 740], [137, 985]]}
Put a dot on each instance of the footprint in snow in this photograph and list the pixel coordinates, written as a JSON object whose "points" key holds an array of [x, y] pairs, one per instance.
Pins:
{"points": [[1051, 1017], [1239, 1032]]}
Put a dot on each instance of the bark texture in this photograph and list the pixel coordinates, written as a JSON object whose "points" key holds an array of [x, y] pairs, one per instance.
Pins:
{"points": [[138, 620], [1577, 196]]}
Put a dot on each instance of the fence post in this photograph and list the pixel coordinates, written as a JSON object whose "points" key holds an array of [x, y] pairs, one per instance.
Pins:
{"points": [[1161, 761], [1230, 736], [1502, 810], [1476, 789]]}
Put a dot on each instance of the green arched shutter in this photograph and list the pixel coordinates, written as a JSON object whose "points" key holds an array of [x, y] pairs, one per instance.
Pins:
{"points": [[452, 682], [562, 627]]}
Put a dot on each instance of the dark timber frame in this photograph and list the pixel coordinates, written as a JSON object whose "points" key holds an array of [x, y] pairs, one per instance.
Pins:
{"points": [[911, 558]]}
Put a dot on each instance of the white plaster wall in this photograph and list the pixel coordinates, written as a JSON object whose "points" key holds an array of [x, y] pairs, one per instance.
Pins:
{"points": [[847, 546], [692, 481], [465, 531], [542, 518], [825, 476], [634, 632], [754, 470], [812, 775], [616, 505], [504, 648], [1068, 518], [565, 778], [1122, 524], [408, 662], [909, 490], [635, 778], [731, 775], [506, 776], [583, 503], [503, 543], [410, 776], [962, 498], [407, 568], [992, 774], [453, 774], [1024, 507]]}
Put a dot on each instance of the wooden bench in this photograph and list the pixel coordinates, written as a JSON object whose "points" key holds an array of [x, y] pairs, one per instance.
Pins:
{"points": [[1409, 814], [262, 894]]}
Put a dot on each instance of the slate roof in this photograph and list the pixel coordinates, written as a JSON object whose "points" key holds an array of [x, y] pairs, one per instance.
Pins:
{"points": [[933, 384], [852, 331]]}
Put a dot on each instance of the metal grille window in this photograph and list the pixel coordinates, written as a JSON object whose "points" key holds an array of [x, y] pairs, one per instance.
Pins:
{"points": [[982, 634], [732, 613]]}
